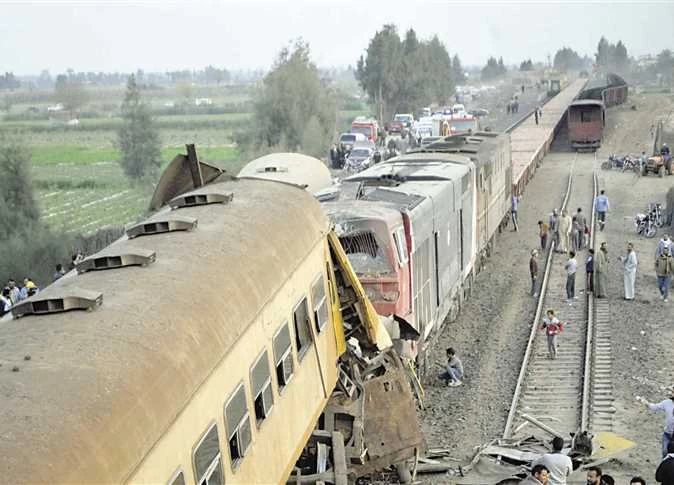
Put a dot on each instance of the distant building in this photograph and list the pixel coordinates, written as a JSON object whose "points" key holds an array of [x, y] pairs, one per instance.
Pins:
{"points": [[203, 101]]}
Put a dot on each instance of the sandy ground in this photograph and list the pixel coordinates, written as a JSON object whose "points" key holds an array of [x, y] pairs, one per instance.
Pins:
{"points": [[491, 332]]}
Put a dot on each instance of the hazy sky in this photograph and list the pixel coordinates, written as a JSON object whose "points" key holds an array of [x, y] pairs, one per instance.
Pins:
{"points": [[157, 36]]}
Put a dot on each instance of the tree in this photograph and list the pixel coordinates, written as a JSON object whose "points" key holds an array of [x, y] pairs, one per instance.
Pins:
{"points": [[18, 208], [458, 74], [403, 75], [566, 59], [493, 69], [138, 137], [611, 56], [292, 101], [70, 92], [379, 71], [527, 65]]}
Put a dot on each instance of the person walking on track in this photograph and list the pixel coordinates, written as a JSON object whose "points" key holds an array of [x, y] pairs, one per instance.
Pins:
{"points": [[533, 271], [664, 268], [514, 206], [667, 407], [579, 229], [565, 228], [553, 222], [553, 327], [571, 267], [601, 261], [630, 271], [543, 230], [589, 271], [601, 205], [558, 464]]}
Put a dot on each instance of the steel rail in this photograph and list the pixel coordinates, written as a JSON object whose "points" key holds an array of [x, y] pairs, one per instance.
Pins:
{"points": [[590, 337], [512, 413]]}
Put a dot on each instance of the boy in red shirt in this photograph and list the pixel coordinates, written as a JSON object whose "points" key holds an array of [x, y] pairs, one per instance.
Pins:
{"points": [[552, 327]]}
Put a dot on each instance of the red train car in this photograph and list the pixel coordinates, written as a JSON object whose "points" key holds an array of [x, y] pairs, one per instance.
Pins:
{"points": [[586, 119]]}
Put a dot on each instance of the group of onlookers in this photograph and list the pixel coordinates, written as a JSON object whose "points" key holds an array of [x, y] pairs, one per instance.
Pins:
{"points": [[12, 294]]}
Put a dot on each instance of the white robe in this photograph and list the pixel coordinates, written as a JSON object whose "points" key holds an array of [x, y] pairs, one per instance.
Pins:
{"points": [[630, 275]]}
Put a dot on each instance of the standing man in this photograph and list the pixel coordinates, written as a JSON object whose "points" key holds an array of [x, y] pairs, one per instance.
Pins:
{"points": [[514, 205], [581, 223], [630, 271], [553, 222], [565, 228], [539, 476], [558, 464], [533, 271], [543, 230], [664, 268], [667, 407], [14, 292], [643, 160], [552, 327], [536, 116], [589, 271], [601, 271], [601, 205], [571, 267], [664, 243]]}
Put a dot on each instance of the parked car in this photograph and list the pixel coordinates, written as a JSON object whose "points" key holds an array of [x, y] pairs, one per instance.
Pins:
{"points": [[406, 118], [347, 140], [479, 113], [360, 158]]}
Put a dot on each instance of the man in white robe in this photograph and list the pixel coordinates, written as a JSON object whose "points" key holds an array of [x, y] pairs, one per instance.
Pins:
{"points": [[630, 273]]}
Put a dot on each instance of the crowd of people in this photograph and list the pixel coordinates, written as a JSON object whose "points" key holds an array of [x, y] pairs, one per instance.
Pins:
{"points": [[570, 235], [12, 294]]}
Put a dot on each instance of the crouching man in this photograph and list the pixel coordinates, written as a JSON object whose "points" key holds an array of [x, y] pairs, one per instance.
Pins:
{"points": [[454, 369]]}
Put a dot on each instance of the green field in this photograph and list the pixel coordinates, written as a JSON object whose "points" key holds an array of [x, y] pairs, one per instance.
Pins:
{"points": [[78, 182]]}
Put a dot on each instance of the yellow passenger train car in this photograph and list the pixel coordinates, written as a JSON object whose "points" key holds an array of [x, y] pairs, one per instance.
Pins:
{"points": [[207, 352]]}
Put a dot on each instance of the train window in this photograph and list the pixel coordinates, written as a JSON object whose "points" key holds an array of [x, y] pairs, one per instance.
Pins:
{"points": [[585, 116], [401, 249], [178, 478], [283, 357], [260, 386], [238, 425], [207, 459], [320, 303], [302, 328]]}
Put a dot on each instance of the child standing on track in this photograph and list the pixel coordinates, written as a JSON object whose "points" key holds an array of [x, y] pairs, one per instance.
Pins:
{"points": [[552, 327]]}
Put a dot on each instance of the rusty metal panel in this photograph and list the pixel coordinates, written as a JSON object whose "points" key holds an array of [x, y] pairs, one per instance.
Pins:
{"points": [[391, 428]]}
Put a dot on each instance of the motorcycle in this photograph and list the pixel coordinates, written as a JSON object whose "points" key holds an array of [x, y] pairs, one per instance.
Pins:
{"points": [[655, 210], [632, 164], [644, 225]]}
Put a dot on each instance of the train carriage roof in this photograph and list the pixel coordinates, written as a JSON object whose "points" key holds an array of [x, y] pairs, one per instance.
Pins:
{"points": [[102, 386]]}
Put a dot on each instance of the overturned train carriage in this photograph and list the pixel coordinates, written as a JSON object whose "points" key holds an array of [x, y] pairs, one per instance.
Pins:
{"points": [[208, 352]]}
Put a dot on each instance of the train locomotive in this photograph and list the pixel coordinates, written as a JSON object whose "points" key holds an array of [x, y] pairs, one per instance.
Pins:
{"points": [[418, 227]]}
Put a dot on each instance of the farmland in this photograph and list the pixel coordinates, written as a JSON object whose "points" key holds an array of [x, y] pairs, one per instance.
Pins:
{"points": [[78, 183]]}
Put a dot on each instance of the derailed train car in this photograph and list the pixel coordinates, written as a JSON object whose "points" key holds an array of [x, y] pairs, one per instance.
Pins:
{"points": [[208, 349], [417, 227]]}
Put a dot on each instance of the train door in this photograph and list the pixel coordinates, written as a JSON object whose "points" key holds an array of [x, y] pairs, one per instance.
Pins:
{"points": [[423, 278]]}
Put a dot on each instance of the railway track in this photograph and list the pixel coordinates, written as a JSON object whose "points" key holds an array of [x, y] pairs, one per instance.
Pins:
{"points": [[574, 391]]}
